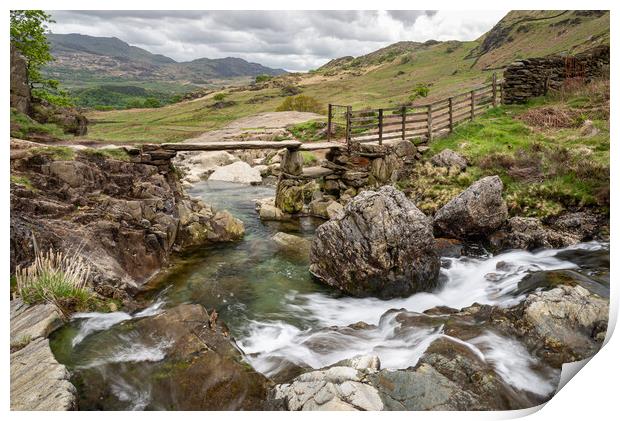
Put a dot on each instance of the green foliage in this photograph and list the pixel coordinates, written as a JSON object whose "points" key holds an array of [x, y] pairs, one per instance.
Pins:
{"points": [[57, 153], [24, 127], [106, 97], [263, 78], [55, 278], [151, 103], [219, 96], [308, 131], [302, 103], [22, 181], [421, 90], [28, 36], [308, 157], [113, 153]]}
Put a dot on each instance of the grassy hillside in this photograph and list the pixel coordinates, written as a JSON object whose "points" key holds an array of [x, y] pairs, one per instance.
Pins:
{"points": [[546, 158], [386, 77]]}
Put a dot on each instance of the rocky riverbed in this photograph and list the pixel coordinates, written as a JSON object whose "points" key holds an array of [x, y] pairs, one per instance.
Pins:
{"points": [[380, 308]]}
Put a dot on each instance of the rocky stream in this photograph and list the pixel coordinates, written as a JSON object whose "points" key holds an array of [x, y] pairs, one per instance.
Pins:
{"points": [[481, 338]]}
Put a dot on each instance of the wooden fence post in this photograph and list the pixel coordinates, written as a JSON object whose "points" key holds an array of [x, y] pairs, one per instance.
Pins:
{"points": [[348, 130], [329, 122], [450, 115], [473, 102], [494, 89], [404, 119], [429, 121], [380, 126]]}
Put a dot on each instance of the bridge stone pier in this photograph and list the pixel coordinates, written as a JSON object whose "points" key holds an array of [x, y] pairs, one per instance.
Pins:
{"points": [[320, 190]]}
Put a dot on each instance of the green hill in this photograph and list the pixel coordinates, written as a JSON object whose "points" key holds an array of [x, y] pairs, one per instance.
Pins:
{"points": [[385, 77]]}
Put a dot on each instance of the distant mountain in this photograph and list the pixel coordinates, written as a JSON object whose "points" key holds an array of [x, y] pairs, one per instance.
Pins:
{"points": [[83, 59]]}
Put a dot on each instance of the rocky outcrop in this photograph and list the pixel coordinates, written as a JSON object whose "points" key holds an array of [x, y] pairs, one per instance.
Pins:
{"points": [[530, 233], [237, 172], [381, 245], [20, 90], [533, 77], [475, 213], [38, 381], [448, 159], [126, 218], [71, 120], [344, 387]]}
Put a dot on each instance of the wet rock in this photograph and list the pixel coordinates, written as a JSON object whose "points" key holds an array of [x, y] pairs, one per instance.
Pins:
{"points": [[546, 280], [203, 368], [448, 159], [381, 246], [475, 213], [237, 172], [334, 210], [292, 244], [529, 233], [339, 388], [583, 225], [448, 247], [267, 211], [451, 376], [292, 162]]}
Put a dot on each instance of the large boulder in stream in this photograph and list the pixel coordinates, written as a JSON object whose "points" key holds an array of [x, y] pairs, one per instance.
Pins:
{"points": [[475, 213], [380, 245], [237, 172]]}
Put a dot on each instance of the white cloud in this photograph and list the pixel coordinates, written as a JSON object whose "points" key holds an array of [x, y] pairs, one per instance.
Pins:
{"points": [[294, 40]]}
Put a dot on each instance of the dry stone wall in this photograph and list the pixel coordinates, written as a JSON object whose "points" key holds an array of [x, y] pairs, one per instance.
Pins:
{"points": [[533, 77]]}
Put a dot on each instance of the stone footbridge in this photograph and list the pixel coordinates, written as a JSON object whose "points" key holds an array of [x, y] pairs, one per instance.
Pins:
{"points": [[345, 170]]}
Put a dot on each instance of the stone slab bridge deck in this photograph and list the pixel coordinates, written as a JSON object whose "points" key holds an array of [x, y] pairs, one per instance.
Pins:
{"points": [[162, 154]]}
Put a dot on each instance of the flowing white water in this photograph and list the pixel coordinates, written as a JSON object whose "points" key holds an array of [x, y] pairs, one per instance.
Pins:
{"points": [[96, 322], [469, 280]]}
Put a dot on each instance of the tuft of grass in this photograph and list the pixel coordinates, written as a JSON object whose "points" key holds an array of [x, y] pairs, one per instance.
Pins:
{"points": [[58, 279], [57, 153], [23, 181], [20, 343], [112, 153], [308, 157]]}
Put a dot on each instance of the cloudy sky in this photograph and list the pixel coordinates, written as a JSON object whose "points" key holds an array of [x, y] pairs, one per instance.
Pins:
{"points": [[293, 40]]}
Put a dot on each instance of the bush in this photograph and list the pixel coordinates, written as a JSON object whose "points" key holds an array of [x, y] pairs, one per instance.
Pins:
{"points": [[55, 278], [303, 103], [263, 78], [152, 103], [219, 97], [421, 90]]}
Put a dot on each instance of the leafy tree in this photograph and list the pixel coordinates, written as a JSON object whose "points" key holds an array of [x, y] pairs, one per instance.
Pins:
{"points": [[421, 90], [302, 103], [152, 103], [28, 36]]}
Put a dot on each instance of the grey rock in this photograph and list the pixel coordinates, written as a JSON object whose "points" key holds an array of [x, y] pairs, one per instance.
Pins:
{"points": [[38, 381], [382, 245], [448, 158], [475, 213], [237, 172]]}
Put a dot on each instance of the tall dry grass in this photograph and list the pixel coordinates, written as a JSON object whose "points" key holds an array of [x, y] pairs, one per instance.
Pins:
{"points": [[56, 278]]}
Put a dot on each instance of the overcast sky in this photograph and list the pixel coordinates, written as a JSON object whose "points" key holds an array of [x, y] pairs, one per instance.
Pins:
{"points": [[293, 40]]}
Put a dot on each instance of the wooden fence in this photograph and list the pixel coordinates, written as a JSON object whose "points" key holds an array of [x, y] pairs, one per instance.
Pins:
{"points": [[407, 121]]}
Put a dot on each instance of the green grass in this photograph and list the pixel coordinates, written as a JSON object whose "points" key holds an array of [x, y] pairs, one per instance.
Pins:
{"points": [[57, 153], [308, 131], [113, 153], [22, 181], [24, 127], [308, 157], [544, 171]]}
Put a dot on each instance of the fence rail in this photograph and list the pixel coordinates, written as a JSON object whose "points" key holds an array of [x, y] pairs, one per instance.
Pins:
{"points": [[406, 121]]}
